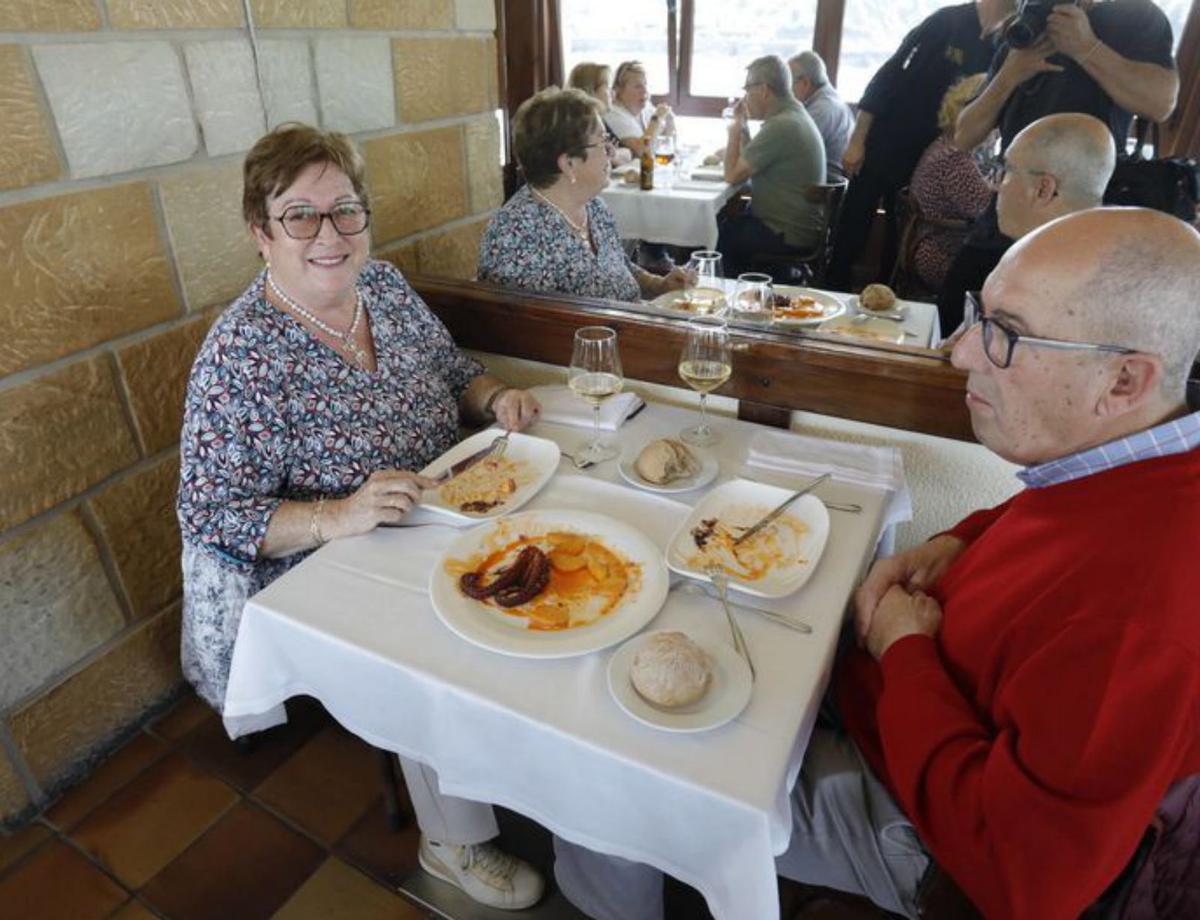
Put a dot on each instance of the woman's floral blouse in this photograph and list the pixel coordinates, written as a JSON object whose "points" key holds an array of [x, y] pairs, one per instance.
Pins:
{"points": [[530, 246], [271, 413]]}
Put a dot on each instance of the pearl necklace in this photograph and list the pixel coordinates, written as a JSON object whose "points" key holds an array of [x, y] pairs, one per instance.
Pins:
{"points": [[581, 231], [346, 338]]}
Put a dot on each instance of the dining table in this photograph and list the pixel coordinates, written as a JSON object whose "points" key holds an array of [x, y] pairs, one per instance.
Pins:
{"points": [[680, 210], [353, 626]]}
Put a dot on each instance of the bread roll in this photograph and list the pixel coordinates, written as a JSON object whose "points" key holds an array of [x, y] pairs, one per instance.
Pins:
{"points": [[878, 298], [665, 460], [671, 670]]}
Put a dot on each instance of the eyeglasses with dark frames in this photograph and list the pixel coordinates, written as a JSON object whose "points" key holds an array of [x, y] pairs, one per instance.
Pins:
{"points": [[607, 144], [303, 221], [999, 340]]}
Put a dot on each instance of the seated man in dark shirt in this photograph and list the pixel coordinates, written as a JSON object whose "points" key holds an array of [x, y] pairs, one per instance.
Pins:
{"points": [[1058, 165]]}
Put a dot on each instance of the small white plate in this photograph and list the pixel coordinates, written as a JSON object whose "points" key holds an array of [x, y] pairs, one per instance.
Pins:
{"points": [[831, 306], [709, 467], [539, 456], [743, 502], [870, 328], [899, 311], [730, 688]]}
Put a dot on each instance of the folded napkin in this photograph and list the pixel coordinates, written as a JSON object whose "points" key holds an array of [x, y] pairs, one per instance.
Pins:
{"points": [[562, 407], [783, 452], [709, 173]]}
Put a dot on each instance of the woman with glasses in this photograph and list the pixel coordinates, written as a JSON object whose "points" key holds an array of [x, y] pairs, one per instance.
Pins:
{"points": [[313, 398], [555, 235]]}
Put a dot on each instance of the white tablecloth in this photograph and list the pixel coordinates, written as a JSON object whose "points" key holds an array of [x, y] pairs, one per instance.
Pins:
{"points": [[353, 627], [685, 215]]}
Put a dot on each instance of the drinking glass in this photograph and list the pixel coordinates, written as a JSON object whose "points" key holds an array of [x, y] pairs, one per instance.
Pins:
{"points": [[595, 375], [704, 365], [754, 296], [705, 289], [664, 156]]}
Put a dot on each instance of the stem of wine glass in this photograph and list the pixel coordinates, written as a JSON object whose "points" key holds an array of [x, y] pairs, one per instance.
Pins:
{"points": [[596, 425], [703, 413]]}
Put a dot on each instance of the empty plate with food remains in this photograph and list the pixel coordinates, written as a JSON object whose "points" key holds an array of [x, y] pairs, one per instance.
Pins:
{"points": [[774, 562], [667, 465], [680, 682], [549, 584], [798, 306], [490, 488]]}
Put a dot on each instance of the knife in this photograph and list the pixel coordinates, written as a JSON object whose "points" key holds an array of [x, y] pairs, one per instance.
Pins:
{"points": [[780, 508], [457, 469]]}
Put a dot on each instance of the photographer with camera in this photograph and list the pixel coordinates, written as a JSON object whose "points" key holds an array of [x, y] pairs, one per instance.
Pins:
{"points": [[1108, 59]]}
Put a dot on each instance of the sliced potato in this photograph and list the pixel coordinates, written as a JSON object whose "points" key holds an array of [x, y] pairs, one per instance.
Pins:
{"points": [[563, 561]]}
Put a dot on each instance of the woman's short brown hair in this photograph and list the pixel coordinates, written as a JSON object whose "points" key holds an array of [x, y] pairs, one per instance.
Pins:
{"points": [[549, 124], [589, 77], [279, 156]]}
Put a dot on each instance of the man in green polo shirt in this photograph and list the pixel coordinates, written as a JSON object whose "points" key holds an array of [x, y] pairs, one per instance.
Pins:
{"points": [[785, 156]]}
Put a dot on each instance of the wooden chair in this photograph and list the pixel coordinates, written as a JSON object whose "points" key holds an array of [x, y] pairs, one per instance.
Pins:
{"points": [[915, 225], [812, 264]]}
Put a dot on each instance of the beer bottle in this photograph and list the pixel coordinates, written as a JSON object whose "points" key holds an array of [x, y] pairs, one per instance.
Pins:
{"points": [[647, 158]]}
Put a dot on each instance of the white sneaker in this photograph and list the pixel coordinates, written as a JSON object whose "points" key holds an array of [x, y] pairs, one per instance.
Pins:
{"points": [[484, 871]]}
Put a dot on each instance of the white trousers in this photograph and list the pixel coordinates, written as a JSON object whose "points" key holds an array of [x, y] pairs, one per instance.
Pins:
{"points": [[444, 818]]}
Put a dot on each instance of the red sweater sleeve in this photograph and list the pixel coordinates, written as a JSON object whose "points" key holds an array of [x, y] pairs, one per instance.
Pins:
{"points": [[1034, 819], [970, 527]]}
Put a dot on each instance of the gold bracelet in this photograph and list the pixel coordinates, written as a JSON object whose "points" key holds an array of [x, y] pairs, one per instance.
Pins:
{"points": [[492, 397], [314, 523]]}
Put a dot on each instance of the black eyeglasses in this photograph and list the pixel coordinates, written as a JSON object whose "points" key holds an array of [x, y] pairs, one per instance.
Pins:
{"points": [[999, 340], [1003, 168], [303, 222], [607, 144]]}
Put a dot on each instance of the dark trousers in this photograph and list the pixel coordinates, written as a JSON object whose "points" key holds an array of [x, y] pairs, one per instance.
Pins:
{"points": [[854, 224], [745, 236]]}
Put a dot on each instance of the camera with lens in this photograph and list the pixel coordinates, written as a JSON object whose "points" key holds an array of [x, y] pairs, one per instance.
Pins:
{"points": [[1030, 22]]}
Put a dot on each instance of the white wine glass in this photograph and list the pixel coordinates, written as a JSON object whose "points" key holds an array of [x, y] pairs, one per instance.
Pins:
{"points": [[594, 375], [704, 365], [753, 296], [704, 292]]}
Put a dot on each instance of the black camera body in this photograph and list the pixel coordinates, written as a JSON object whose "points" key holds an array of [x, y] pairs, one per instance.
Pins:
{"points": [[1030, 22]]}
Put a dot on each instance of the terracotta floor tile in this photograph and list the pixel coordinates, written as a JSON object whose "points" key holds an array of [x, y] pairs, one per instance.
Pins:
{"points": [[337, 890], [371, 846], [210, 747], [21, 841], [326, 785], [144, 826], [246, 866], [57, 882], [134, 911], [138, 754], [184, 716]]}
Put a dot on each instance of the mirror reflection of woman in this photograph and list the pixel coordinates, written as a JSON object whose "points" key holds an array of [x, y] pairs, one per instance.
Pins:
{"points": [[596, 81], [556, 235], [632, 116]]}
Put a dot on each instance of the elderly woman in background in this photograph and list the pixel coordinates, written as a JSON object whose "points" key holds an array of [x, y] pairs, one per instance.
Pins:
{"points": [[313, 398], [632, 116], [596, 81], [947, 186], [555, 235]]}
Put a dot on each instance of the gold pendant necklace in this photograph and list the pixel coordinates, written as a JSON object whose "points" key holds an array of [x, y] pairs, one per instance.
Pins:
{"points": [[346, 338], [581, 231]]}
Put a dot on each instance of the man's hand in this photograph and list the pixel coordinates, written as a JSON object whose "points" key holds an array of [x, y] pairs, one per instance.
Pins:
{"points": [[516, 409], [901, 614], [1071, 32], [1022, 64], [741, 114], [852, 159], [915, 569]]}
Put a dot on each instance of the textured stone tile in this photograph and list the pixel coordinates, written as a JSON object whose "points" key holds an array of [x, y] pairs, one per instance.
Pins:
{"points": [[49, 16], [454, 254], [56, 604], [411, 14], [175, 14], [118, 106], [287, 80], [77, 270], [491, 72], [299, 14], [156, 372], [104, 781], [137, 521], [59, 434], [484, 173], [226, 94], [337, 890], [13, 799], [476, 14], [354, 77], [416, 181], [27, 155], [440, 77], [214, 252], [406, 258], [59, 729], [57, 883]]}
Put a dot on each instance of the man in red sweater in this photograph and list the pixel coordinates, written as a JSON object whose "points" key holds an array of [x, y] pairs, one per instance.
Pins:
{"points": [[1028, 686]]}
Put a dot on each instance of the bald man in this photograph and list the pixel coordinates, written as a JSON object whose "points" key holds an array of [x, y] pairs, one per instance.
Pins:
{"points": [[1058, 165], [1026, 689]]}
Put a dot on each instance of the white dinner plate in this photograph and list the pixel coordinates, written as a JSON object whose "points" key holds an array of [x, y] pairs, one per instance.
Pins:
{"points": [[677, 301], [831, 306], [536, 457], [729, 690], [709, 467], [741, 502], [490, 628], [871, 329]]}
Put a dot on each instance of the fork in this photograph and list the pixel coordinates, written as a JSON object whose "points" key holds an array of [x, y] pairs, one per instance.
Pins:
{"points": [[576, 462], [500, 445], [721, 580]]}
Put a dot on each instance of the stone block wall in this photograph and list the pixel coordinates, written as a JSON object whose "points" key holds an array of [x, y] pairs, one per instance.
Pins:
{"points": [[124, 123]]}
